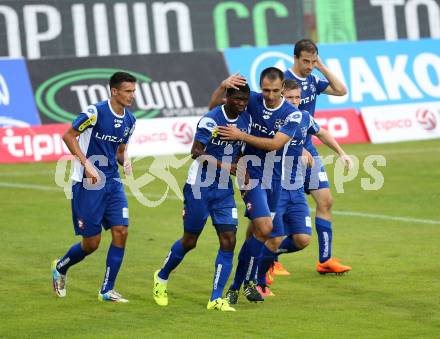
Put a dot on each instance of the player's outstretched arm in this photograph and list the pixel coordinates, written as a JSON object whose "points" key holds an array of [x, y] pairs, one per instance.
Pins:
{"points": [[230, 82], [331, 142], [335, 87], [267, 144], [71, 141]]}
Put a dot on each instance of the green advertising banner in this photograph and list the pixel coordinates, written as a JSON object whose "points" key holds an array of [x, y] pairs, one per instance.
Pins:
{"points": [[335, 20]]}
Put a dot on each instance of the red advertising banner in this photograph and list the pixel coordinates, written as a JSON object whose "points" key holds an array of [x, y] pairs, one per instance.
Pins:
{"points": [[344, 124], [32, 144]]}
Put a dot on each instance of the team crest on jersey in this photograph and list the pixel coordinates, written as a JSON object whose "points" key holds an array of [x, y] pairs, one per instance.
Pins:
{"points": [[304, 131], [312, 88], [278, 123], [126, 131]]}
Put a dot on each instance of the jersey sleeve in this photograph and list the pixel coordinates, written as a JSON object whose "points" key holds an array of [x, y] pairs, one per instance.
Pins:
{"points": [[205, 129], [313, 126], [128, 135], [291, 123], [86, 119], [320, 84]]}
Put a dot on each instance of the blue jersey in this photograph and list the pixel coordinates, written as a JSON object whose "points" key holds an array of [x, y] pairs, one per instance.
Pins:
{"points": [[222, 150], [311, 87], [265, 124], [292, 169], [102, 131]]}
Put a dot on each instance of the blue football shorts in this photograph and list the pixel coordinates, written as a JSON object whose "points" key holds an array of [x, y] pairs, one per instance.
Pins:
{"points": [[316, 178], [262, 202], [292, 215], [214, 202], [94, 209]]}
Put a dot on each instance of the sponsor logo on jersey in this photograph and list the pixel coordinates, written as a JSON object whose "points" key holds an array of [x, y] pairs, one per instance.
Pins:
{"points": [[118, 123], [111, 138]]}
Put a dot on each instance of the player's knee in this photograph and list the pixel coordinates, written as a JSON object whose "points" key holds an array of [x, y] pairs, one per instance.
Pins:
{"points": [[325, 204], [119, 236], [189, 242], [227, 241], [301, 241], [262, 228], [90, 245]]}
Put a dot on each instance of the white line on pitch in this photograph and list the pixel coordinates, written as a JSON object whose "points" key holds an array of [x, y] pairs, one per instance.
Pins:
{"points": [[173, 197]]}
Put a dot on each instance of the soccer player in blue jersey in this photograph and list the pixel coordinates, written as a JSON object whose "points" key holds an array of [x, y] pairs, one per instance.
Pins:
{"points": [[269, 111], [98, 139], [306, 58], [209, 192], [292, 218]]}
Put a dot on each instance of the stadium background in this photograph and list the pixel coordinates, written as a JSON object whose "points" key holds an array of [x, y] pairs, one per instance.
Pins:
{"points": [[56, 59]]}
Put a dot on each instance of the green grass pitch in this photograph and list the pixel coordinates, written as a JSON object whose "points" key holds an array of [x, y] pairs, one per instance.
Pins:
{"points": [[391, 237]]}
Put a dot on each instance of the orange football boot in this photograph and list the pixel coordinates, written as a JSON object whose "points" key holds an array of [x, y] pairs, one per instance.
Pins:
{"points": [[279, 269], [332, 265]]}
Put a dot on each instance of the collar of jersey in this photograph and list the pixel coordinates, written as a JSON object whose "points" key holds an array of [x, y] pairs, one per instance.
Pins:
{"points": [[296, 76], [226, 117], [114, 113], [274, 109]]}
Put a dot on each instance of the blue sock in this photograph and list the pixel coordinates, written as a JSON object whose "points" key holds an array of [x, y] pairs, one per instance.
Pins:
{"points": [[265, 260], [172, 260], [254, 250], [223, 268], [324, 230], [241, 269], [287, 246], [113, 264], [73, 256]]}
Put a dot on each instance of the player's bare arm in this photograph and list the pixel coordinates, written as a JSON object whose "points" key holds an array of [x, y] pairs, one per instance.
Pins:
{"points": [[123, 159], [266, 144], [331, 142], [308, 159], [71, 141], [198, 149], [335, 87], [217, 97]]}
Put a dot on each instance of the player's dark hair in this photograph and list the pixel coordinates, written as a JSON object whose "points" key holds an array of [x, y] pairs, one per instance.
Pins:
{"points": [[290, 85], [243, 89], [119, 77], [271, 73], [304, 45]]}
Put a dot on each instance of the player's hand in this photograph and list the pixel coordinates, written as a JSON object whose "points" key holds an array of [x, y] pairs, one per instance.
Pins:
{"points": [[127, 167], [348, 163], [233, 81], [307, 158], [91, 173], [230, 132], [319, 64]]}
